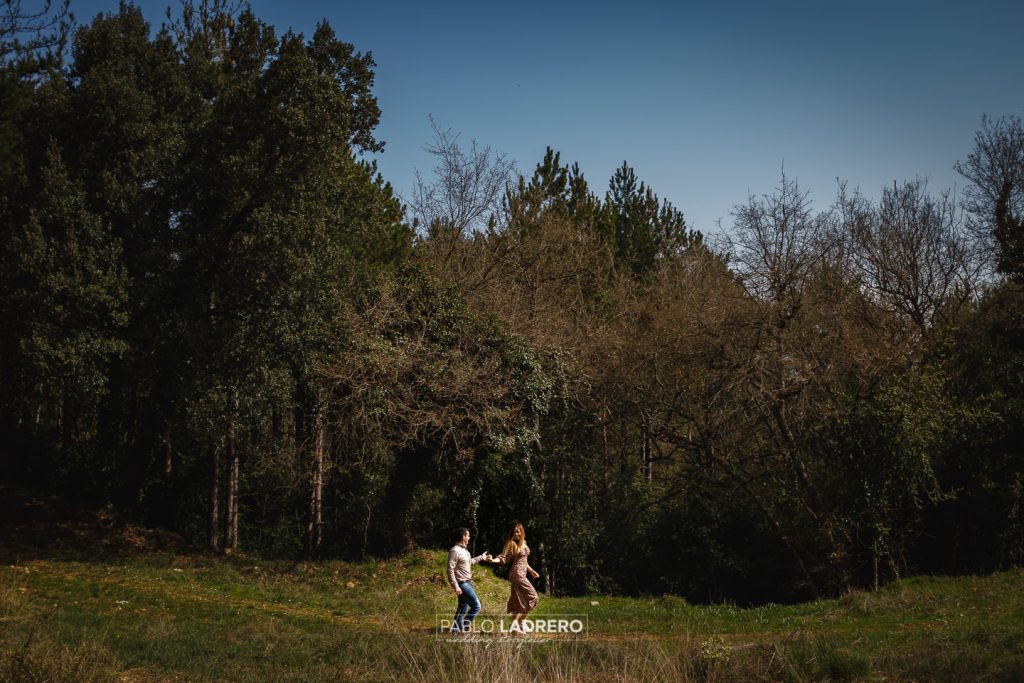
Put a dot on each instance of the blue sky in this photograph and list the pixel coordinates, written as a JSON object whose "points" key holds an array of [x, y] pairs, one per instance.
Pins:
{"points": [[707, 101]]}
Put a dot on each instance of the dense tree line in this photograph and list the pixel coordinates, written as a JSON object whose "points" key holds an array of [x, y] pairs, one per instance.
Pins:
{"points": [[219, 319]]}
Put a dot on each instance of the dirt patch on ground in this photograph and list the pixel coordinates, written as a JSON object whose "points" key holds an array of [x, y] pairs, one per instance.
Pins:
{"points": [[48, 528]]}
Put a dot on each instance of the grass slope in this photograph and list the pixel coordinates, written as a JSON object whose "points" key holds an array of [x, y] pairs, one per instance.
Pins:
{"points": [[174, 616]]}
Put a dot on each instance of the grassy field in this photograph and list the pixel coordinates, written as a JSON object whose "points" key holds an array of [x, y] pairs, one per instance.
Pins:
{"points": [[152, 615]]}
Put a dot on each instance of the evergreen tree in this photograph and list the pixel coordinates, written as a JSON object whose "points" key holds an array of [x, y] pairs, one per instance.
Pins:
{"points": [[64, 303], [643, 229]]}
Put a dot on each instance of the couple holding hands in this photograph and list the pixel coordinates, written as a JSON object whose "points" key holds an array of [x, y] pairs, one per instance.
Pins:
{"points": [[523, 597]]}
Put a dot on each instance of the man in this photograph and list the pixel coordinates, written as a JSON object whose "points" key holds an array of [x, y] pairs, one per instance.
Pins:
{"points": [[460, 576]]}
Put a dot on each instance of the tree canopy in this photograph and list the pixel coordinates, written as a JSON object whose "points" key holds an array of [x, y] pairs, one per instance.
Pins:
{"points": [[219, 319]]}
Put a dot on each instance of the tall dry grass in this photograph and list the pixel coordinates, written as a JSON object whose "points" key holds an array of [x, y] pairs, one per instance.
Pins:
{"points": [[633, 659]]}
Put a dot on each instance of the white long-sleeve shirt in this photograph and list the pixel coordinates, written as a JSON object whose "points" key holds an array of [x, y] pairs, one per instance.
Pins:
{"points": [[459, 565]]}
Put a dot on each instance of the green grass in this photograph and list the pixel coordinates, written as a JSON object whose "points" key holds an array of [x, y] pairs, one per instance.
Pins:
{"points": [[179, 617]]}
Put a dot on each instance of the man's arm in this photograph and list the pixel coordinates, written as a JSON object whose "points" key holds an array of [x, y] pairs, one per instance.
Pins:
{"points": [[453, 559]]}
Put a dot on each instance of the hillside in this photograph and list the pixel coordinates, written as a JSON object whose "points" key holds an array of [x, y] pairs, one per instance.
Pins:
{"points": [[148, 613]]}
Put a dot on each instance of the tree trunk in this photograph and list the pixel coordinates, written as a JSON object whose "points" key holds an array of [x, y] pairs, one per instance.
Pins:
{"points": [[231, 538], [366, 529], [874, 567], [168, 452], [314, 527], [299, 421], [66, 411], [648, 459], [213, 531], [544, 571]]}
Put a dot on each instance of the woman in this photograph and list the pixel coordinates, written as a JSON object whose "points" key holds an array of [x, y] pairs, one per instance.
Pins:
{"points": [[523, 597]]}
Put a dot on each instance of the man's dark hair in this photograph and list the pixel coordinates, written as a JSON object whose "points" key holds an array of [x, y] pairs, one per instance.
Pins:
{"points": [[458, 533]]}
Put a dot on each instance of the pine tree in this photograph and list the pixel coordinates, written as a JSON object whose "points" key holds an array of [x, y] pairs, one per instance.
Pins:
{"points": [[643, 229]]}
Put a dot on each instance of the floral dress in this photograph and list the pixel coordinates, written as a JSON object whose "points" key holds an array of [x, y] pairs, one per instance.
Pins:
{"points": [[523, 597]]}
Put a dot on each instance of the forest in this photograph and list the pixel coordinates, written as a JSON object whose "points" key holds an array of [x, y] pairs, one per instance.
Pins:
{"points": [[219, 319]]}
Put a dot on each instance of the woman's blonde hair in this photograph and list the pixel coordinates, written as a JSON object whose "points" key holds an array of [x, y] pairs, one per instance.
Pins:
{"points": [[511, 548]]}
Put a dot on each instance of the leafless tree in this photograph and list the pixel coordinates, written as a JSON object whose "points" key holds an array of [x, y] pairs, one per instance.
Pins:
{"points": [[457, 208], [466, 185], [911, 253], [995, 196], [776, 242], [794, 345]]}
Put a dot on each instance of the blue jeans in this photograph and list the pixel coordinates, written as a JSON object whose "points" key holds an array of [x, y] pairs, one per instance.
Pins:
{"points": [[469, 607]]}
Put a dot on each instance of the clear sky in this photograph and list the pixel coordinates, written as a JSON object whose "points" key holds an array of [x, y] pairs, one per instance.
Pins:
{"points": [[706, 100]]}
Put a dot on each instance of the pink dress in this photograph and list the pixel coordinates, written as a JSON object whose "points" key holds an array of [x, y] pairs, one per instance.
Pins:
{"points": [[523, 597]]}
